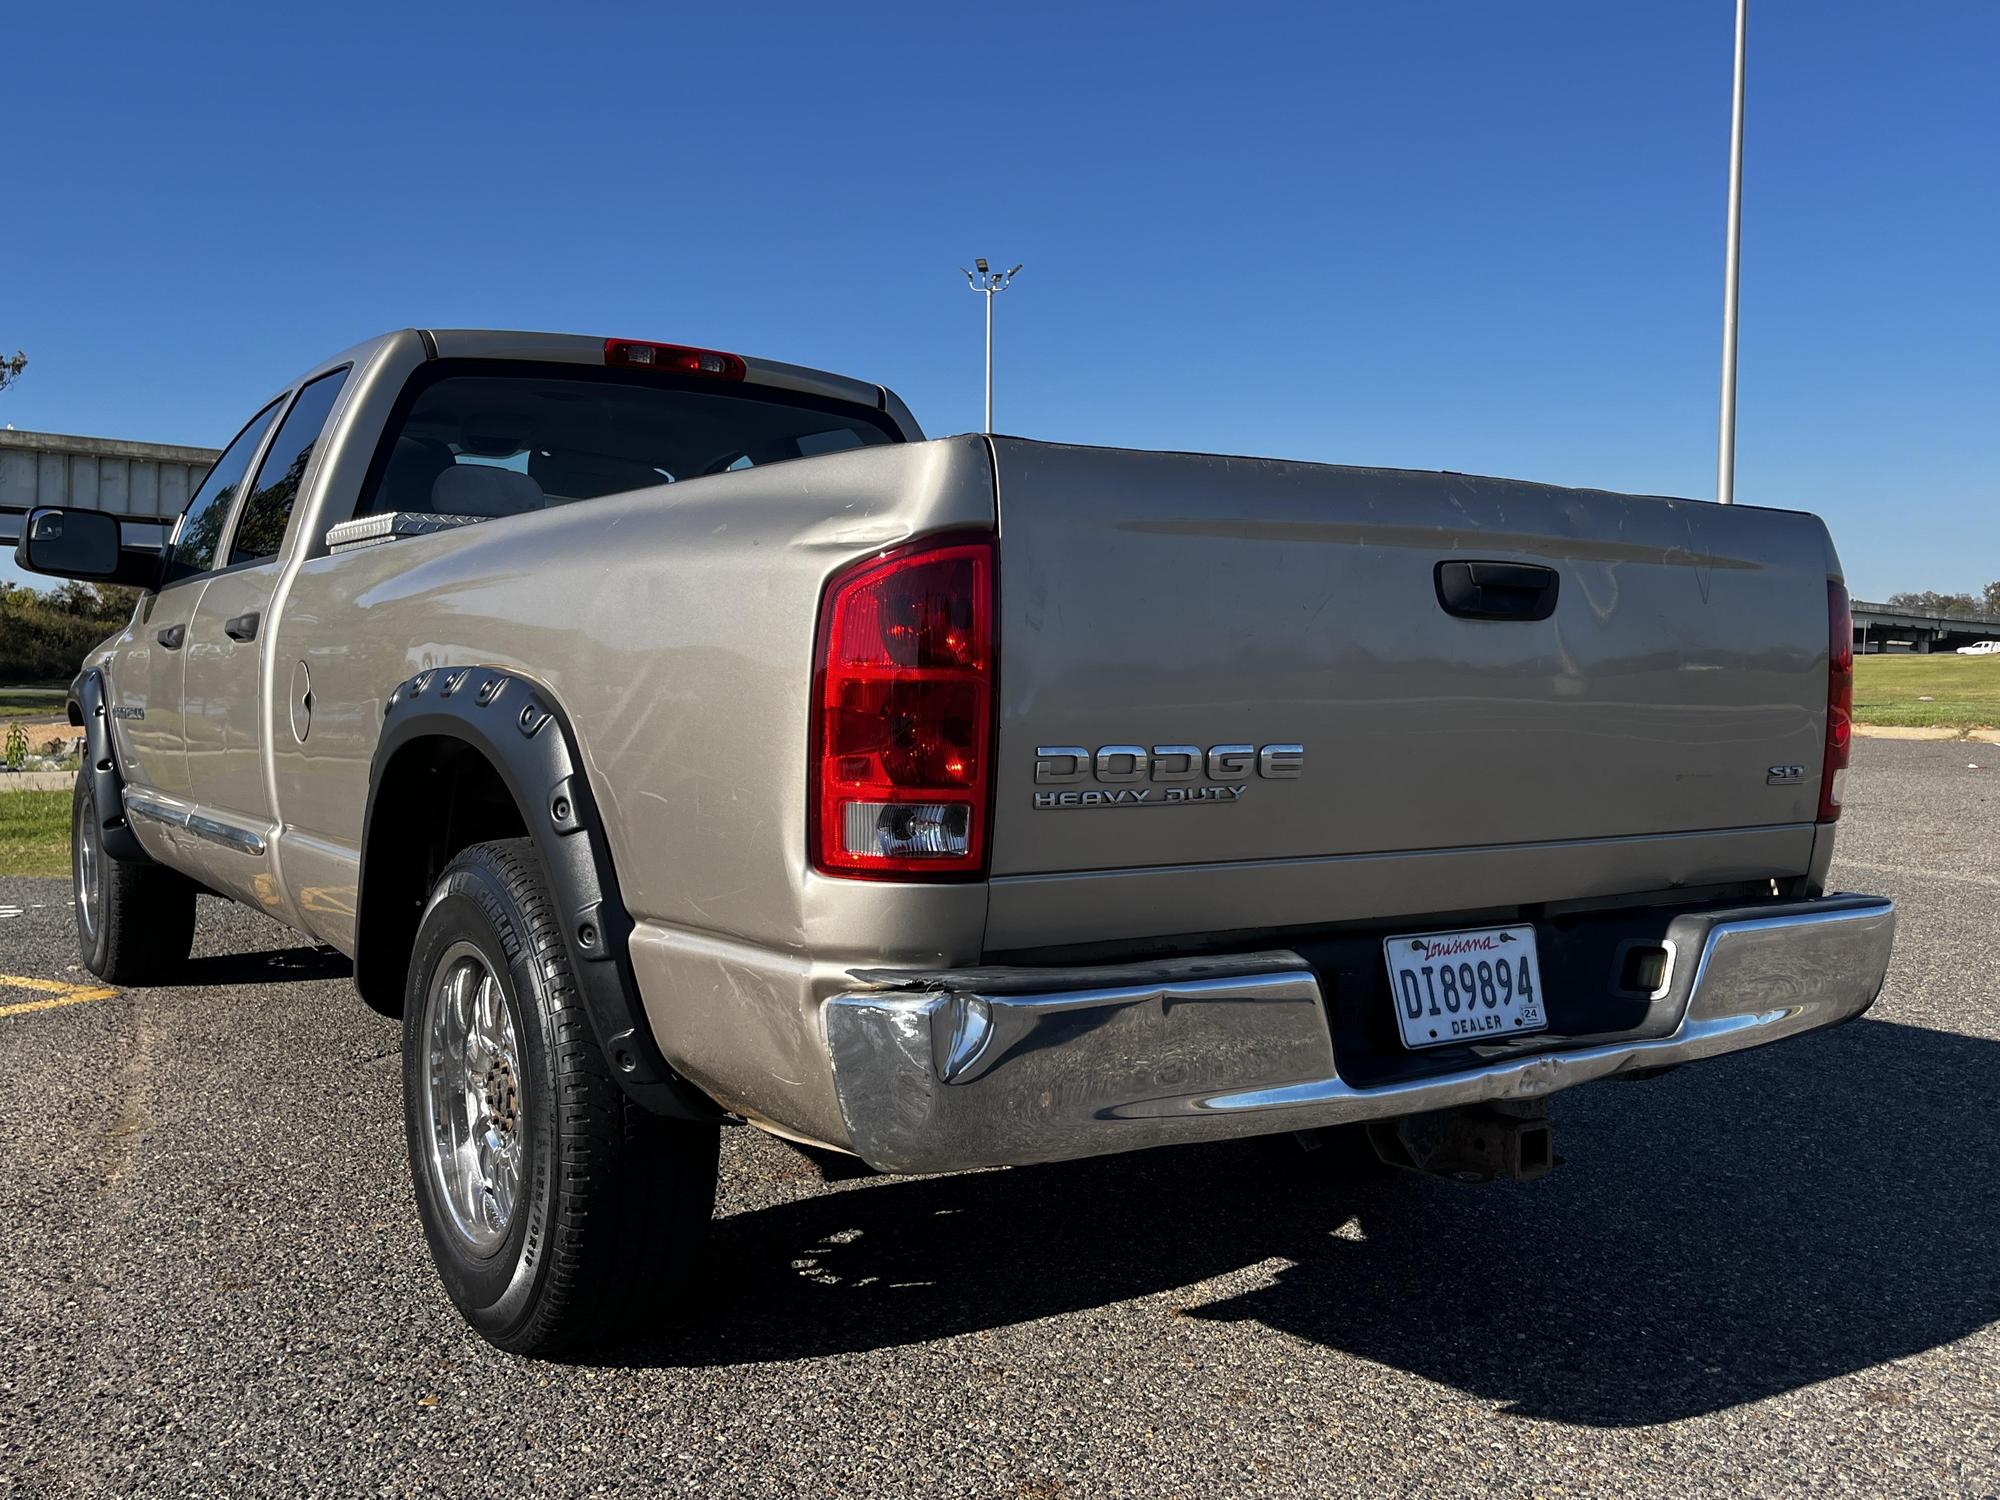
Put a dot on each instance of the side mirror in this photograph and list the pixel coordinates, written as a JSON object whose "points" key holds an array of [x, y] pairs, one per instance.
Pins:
{"points": [[85, 544], [69, 543]]}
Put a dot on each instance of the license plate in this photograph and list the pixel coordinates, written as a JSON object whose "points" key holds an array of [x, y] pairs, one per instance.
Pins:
{"points": [[1472, 986]]}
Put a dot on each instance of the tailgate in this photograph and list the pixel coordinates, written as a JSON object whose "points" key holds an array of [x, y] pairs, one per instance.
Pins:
{"points": [[1185, 600]]}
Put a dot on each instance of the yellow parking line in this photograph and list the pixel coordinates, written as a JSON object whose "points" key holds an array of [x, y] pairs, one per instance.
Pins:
{"points": [[61, 994]]}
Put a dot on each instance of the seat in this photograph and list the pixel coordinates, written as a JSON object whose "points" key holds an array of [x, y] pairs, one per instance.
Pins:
{"points": [[413, 469], [482, 490]]}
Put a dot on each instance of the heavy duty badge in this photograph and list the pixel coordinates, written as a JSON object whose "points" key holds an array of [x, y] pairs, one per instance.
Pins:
{"points": [[1160, 775]]}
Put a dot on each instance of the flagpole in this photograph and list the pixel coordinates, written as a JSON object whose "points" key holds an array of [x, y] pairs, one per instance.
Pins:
{"points": [[1725, 455]]}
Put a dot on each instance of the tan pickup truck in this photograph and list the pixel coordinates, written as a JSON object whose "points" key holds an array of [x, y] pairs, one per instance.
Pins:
{"points": [[679, 740]]}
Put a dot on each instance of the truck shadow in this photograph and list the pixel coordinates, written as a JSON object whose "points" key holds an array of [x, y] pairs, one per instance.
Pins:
{"points": [[287, 965], [1731, 1232]]}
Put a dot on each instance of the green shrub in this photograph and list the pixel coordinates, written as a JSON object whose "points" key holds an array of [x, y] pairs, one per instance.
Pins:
{"points": [[45, 636]]}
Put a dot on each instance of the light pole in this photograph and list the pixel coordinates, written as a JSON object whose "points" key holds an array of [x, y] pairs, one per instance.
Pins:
{"points": [[990, 283], [1725, 449]]}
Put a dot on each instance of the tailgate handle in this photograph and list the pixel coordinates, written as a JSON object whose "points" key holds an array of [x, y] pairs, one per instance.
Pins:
{"points": [[1497, 590]]}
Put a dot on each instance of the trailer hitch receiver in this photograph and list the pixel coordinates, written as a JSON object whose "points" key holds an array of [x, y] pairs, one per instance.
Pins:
{"points": [[1478, 1143]]}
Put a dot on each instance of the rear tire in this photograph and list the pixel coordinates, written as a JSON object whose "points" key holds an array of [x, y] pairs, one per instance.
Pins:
{"points": [[557, 1211], [134, 922]]}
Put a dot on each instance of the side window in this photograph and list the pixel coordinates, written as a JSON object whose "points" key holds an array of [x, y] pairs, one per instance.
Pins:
{"points": [[200, 529], [261, 531]]}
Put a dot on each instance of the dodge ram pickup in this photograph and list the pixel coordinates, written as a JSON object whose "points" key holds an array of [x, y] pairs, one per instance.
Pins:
{"points": [[677, 740]]}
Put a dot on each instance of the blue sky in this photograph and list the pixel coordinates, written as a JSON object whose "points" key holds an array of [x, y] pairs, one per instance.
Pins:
{"points": [[1463, 235]]}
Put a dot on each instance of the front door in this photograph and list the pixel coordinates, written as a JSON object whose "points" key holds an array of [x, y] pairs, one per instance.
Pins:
{"points": [[148, 703]]}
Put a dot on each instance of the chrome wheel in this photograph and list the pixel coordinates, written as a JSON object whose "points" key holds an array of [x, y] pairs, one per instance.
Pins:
{"points": [[473, 1098], [87, 868]]}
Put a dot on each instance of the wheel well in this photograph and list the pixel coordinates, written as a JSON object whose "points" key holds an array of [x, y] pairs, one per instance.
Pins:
{"points": [[435, 797]]}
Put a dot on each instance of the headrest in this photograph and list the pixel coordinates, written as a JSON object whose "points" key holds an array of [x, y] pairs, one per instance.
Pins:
{"points": [[492, 434], [585, 476], [482, 490]]}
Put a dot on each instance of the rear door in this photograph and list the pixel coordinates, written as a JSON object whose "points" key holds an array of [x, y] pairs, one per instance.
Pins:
{"points": [[1211, 614], [148, 714], [226, 713]]}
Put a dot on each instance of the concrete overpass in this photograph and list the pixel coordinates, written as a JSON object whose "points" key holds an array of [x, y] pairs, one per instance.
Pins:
{"points": [[141, 480], [1882, 627]]}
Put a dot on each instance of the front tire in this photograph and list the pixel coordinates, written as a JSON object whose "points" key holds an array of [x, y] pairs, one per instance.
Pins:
{"points": [[134, 921], [554, 1207]]}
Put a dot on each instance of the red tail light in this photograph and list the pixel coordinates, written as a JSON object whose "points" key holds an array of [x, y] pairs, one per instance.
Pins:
{"points": [[1839, 699], [903, 714], [645, 356]]}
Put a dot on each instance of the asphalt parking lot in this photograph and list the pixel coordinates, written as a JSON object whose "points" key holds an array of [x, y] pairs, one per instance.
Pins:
{"points": [[1774, 1273]]}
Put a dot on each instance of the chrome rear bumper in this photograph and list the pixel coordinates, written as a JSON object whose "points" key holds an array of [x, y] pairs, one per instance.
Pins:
{"points": [[942, 1071]]}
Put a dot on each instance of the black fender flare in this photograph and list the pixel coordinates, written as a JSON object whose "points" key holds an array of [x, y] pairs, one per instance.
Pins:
{"points": [[524, 734], [100, 764]]}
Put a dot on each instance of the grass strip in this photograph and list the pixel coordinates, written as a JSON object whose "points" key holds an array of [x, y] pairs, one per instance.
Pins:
{"points": [[34, 833], [1963, 692]]}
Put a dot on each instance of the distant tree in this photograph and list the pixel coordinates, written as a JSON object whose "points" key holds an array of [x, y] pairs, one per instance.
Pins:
{"points": [[11, 368], [106, 602], [1931, 602], [43, 637], [1992, 600]]}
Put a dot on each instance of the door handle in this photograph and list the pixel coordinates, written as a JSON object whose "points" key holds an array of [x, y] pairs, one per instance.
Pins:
{"points": [[241, 627], [1497, 590], [172, 636]]}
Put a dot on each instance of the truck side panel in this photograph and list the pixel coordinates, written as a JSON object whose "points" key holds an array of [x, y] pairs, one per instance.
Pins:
{"points": [[676, 628]]}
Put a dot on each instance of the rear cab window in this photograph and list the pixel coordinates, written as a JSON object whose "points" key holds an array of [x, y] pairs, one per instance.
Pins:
{"points": [[495, 438]]}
